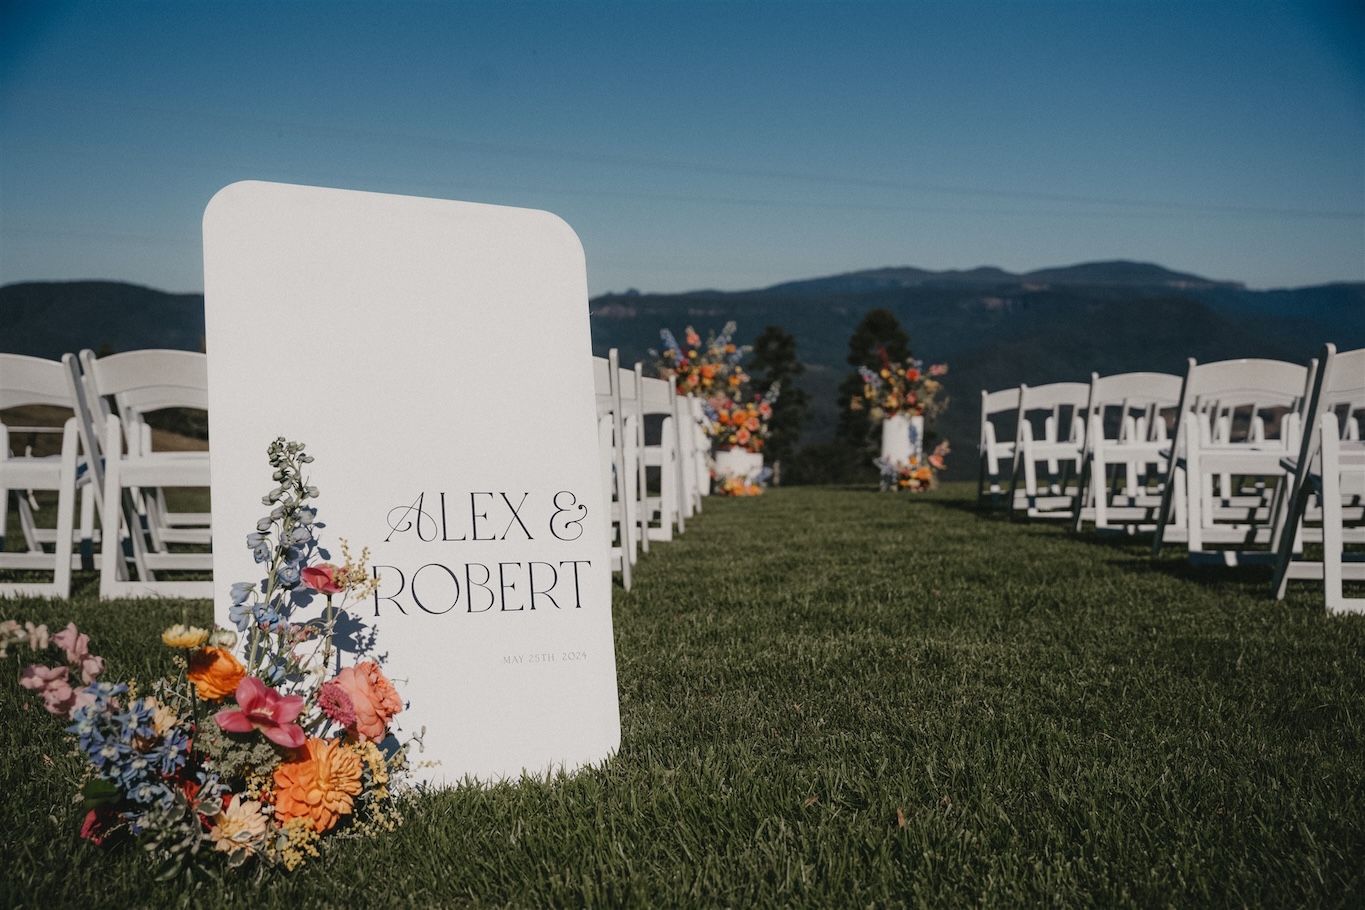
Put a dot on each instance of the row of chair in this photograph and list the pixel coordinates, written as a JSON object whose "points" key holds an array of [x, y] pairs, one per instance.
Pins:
{"points": [[1243, 461], [654, 458], [654, 463], [106, 457]]}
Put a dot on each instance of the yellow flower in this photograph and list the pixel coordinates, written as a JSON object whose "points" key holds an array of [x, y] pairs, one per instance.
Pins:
{"points": [[179, 636]]}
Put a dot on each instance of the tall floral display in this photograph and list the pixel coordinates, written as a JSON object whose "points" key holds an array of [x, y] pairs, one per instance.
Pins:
{"points": [[902, 398], [262, 744], [737, 419]]}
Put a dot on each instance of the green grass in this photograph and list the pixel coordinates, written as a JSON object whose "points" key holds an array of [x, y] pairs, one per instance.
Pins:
{"points": [[832, 697]]}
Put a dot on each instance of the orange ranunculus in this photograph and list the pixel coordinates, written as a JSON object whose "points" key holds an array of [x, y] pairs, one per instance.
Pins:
{"points": [[374, 697], [215, 673], [319, 784]]}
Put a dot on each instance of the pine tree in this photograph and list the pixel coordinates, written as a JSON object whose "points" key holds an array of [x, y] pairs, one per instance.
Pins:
{"points": [[878, 332], [774, 361]]}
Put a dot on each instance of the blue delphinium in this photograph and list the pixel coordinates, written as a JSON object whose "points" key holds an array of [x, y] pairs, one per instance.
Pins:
{"points": [[126, 750], [283, 542]]}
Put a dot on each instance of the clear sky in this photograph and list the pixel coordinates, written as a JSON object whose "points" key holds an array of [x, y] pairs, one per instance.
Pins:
{"points": [[705, 145]]}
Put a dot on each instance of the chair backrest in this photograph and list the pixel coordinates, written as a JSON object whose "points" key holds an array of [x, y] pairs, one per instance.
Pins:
{"points": [[1060, 403], [656, 396], [149, 380], [28, 380], [1139, 398], [1252, 388], [1343, 392], [602, 370], [997, 407]]}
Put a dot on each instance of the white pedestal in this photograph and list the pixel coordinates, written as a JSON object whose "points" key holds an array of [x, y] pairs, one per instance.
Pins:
{"points": [[739, 463], [902, 438]]}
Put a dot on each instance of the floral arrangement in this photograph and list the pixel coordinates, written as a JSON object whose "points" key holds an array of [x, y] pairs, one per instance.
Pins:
{"points": [[250, 752], [745, 425], [741, 485], [707, 371], [897, 388], [736, 418], [917, 475]]}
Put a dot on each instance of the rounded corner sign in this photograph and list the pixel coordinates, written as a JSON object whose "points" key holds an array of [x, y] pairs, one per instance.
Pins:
{"points": [[435, 358]]}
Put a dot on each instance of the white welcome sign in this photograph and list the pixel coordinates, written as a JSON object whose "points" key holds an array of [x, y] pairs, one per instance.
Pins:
{"points": [[435, 358]]}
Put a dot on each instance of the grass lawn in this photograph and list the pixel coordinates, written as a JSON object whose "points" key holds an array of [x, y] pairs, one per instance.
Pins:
{"points": [[832, 697]]}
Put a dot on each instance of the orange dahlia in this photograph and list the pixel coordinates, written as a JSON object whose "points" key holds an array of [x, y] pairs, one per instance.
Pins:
{"points": [[319, 785], [215, 672]]}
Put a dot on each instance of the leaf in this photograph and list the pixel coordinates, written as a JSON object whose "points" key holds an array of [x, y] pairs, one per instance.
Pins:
{"points": [[99, 792], [810, 801], [900, 818]]}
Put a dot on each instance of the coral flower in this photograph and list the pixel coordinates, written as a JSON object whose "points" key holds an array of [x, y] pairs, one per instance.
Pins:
{"points": [[319, 785], [215, 672], [373, 698], [179, 636], [323, 578], [263, 708]]}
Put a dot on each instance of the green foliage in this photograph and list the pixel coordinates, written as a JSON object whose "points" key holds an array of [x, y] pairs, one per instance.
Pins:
{"points": [[774, 360], [880, 331], [880, 700], [878, 334]]}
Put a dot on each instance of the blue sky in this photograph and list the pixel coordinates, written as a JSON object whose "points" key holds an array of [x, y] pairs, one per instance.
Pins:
{"points": [[705, 145]]}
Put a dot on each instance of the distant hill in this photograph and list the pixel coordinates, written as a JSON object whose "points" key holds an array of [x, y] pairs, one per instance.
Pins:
{"points": [[1115, 274], [994, 328], [48, 319]]}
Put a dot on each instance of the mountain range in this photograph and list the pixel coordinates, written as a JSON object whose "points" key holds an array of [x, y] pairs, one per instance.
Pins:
{"points": [[993, 328]]}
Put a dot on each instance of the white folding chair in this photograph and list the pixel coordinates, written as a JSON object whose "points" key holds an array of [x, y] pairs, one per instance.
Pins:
{"points": [[611, 435], [1050, 430], [633, 437], [684, 426], [1329, 468], [114, 394], [996, 446], [701, 444], [1225, 452], [659, 407], [27, 381], [1126, 435]]}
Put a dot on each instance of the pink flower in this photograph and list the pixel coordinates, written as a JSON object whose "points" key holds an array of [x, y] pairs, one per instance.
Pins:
{"points": [[336, 704], [90, 668], [264, 709], [76, 644], [322, 578], [97, 823], [51, 683]]}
